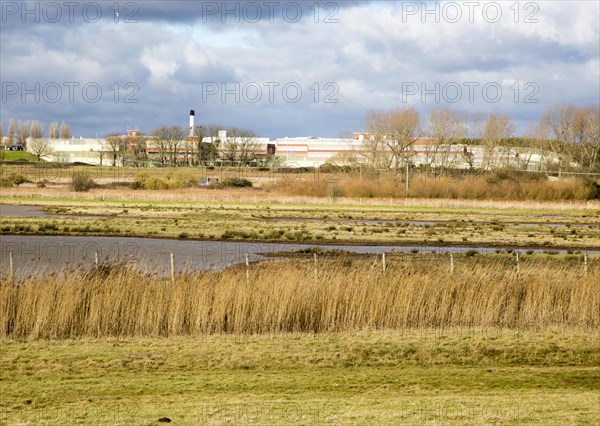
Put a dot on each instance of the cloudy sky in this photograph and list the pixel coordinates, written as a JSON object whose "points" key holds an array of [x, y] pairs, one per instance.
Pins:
{"points": [[285, 68]]}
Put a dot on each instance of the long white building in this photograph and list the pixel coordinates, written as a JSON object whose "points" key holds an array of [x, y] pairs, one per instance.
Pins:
{"points": [[81, 150], [314, 152]]}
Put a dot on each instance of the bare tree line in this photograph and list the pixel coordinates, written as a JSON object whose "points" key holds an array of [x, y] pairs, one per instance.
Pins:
{"points": [[19, 133], [171, 146], [238, 147], [570, 133]]}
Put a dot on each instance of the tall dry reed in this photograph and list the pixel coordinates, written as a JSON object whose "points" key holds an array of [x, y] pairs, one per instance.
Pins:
{"points": [[284, 296], [487, 187]]}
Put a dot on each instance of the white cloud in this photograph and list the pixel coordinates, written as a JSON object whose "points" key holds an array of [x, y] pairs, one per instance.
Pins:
{"points": [[369, 53]]}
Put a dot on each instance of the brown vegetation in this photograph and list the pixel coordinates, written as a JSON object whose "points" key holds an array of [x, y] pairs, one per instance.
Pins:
{"points": [[494, 186], [340, 295]]}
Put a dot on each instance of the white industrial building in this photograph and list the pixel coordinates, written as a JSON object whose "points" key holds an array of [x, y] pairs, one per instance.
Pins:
{"points": [[305, 151], [315, 151], [82, 150]]}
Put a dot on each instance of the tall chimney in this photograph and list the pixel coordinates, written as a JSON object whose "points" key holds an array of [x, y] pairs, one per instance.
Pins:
{"points": [[191, 123]]}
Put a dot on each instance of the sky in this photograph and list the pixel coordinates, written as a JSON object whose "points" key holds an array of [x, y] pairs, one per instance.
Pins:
{"points": [[284, 68]]}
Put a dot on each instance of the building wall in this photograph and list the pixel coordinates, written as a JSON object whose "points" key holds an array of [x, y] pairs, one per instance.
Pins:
{"points": [[313, 152], [84, 150]]}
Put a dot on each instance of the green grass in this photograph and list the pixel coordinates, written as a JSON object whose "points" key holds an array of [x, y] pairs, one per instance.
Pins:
{"points": [[17, 155], [384, 206], [419, 377], [319, 223]]}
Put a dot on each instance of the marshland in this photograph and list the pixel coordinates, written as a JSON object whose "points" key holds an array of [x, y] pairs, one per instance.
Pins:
{"points": [[352, 308]]}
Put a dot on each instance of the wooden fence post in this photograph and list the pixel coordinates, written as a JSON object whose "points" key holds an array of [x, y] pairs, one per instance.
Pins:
{"points": [[10, 265], [315, 266], [172, 268], [247, 269]]}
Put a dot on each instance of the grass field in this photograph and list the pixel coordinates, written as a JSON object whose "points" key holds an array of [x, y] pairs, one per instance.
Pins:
{"points": [[556, 225], [461, 376], [17, 156], [290, 343]]}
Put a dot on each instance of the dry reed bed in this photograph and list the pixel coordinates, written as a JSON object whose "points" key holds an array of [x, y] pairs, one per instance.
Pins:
{"points": [[282, 196], [471, 187], [285, 296]]}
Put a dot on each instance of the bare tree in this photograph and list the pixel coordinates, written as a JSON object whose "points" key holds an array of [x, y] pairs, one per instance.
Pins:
{"points": [[497, 127], [581, 144], [10, 134], [572, 134], [114, 146], [36, 130], [446, 126], [39, 147], [168, 141], [53, 131], [590, 146], [136, 148], [19, 137], [534, 149], [468, 157], [204, 152], [1, 134], [397, 131], [475, 125], [65, 131], [240, 147], [248, 147], [159, 142], [187, 149], [406, 129], [374, 150], [22, 132], [177, 137], [558, 120], [26, 133]]}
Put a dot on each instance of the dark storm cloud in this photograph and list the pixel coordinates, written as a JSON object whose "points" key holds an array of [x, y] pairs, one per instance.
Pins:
{"points": [[20, 15]]}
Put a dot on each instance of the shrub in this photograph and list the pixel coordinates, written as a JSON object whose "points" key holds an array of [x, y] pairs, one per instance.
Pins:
{"points": [[170, 181], [81, 182], [155, 183], [276, 234], [12, 179], [235, 182]]}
